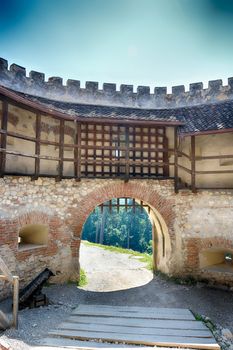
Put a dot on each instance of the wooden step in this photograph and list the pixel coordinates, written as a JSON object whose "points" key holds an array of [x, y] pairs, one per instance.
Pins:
{"points": [[135, 314], [203, 333], [138, 322], [71, 343], [91, 325], [152, 340]]}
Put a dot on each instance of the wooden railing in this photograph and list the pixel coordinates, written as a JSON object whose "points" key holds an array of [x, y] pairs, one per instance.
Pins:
{"points": [[115, 150], [193, 159], [7, 276]]}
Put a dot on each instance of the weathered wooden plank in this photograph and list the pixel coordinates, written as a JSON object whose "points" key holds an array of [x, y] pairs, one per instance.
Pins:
{"points": [[6, 271], [196, 343], [61, 150], [76, 154], [15, 301], [82, 344], [128, 314], [3, 139], [176, 169], [127, 153], [193, 164], [177, 311], [203, 333], [37, 146], [139, 322]]}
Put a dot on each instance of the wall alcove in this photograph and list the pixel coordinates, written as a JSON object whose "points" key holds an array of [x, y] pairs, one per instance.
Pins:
{"points": [[32, 236], [217, 260]]}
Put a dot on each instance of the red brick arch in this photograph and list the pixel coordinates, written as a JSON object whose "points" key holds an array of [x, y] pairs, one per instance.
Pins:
{"points": [[143, 192]]}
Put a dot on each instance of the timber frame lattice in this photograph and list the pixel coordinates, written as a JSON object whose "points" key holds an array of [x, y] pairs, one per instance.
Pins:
{"points": [[100, 148], [194, 160]]}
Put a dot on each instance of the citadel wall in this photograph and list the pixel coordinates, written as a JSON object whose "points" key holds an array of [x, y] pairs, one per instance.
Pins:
{"points": [[15, 77], [199, 226], [196, 227]]}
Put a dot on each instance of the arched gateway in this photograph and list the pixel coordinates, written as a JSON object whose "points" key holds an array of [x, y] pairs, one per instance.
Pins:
{"points": [[161, 214], [66, 149]]}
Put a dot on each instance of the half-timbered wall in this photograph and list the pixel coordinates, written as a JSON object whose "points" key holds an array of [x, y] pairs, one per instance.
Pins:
{"points": [[36, 144], [42, 145], [206, 161]]}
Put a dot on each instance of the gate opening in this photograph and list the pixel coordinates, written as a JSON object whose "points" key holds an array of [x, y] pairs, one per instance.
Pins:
{"points": [[128, 226], [120, 222]]}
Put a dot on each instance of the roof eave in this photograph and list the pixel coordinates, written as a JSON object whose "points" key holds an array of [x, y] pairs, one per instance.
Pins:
{"points": [[13, 96], [206, 132]]}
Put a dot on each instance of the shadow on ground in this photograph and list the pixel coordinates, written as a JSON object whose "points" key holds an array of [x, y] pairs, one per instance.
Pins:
{"points": [[35, 323]]}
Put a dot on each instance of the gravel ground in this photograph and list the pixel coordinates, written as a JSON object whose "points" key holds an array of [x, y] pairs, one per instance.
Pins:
{"points": [[122, 271], [35, 323]]}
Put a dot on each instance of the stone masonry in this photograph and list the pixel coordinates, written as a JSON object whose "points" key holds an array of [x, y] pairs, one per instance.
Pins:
{"points": [[194, 221], [15, 77]]}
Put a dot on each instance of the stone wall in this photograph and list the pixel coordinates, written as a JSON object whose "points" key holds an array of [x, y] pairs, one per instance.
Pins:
{"points": [[35, 84], [194, 223]]}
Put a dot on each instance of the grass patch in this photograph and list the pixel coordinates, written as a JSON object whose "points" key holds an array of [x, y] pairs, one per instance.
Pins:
{"points": [[82, 279], [207, 322], [143, 257]]}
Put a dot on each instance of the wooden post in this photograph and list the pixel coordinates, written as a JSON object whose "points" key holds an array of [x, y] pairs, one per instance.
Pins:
{"points": [[78, 153], [165, 155], [3, 137], [176, 176], [61, 150], [37, 148], [193, 164], [15, 301], [126, 153]]}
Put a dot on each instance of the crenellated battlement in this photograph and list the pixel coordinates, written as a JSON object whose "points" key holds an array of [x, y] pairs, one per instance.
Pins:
{"points": [[15, 77]]}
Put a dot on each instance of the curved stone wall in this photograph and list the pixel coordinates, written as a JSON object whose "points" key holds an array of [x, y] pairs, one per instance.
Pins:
{"points": [[15, 78]]}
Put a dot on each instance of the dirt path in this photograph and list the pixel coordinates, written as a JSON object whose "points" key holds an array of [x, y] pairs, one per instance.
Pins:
{"points": [[108, 271]]}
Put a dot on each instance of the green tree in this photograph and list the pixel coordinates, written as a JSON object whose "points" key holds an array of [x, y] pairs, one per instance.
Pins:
{"points": [[122, 228]]}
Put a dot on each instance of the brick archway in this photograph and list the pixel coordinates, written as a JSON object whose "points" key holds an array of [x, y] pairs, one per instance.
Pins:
{"points": [[162, 206]]}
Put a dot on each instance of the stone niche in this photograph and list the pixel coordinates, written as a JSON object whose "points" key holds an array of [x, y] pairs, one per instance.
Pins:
{"points": [[32, 235], [217, 260]]}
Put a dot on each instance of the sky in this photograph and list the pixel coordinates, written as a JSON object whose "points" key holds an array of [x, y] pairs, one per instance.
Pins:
{"points": [[139, 42]]}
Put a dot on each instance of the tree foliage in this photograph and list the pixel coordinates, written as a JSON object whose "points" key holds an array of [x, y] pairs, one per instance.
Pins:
{"points": [[124, 228]]}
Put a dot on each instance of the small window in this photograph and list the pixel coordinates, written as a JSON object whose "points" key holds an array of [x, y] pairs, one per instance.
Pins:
{"points": [[32, 236]]}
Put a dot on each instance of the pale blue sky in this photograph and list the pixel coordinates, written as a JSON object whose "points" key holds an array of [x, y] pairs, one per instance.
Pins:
{"points": [[140, 42]]}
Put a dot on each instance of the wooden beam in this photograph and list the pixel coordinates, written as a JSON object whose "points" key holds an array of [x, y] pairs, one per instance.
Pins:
{"points": [[27, 155], [37, 147], [126, 153], [185, 169], [222, 156], [3, 142], [61, 150], [193, 164], [165, 155], [176, 175], [78, 152], [207, 132], [15, 301], [214, 172]]}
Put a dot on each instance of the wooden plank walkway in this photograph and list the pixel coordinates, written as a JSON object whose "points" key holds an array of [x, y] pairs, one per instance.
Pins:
{"points": [[133, 326]]}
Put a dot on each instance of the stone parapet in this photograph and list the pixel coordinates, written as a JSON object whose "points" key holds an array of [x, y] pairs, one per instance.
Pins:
{"points": [[15, 77]]}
